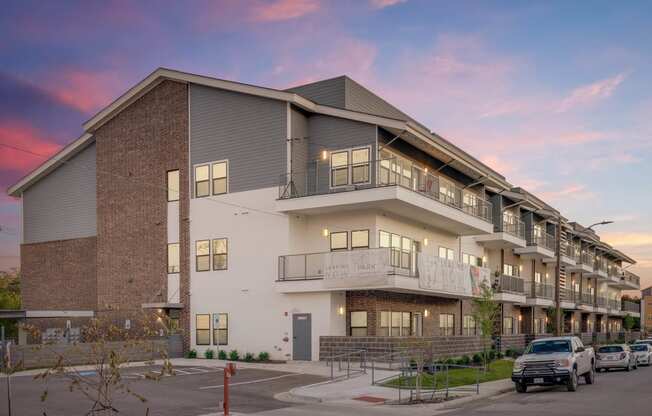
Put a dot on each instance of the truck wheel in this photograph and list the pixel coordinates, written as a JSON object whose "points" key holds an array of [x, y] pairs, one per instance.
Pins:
{"points": [[572, 381], [589, 377], [521, 387]]}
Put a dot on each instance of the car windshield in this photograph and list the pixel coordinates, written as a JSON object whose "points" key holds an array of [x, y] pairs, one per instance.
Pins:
{"points": [[610, 348], [548, 347], [639, 347]]}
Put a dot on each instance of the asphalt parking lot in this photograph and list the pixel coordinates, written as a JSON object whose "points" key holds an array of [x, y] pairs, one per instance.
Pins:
{"points": [[191, 391]]}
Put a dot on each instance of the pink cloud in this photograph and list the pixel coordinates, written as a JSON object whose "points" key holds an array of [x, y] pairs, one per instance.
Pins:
{"points": [[569, 192], [381, 4], [86, 91], [280, 10], [591, 93], [15, 133]]}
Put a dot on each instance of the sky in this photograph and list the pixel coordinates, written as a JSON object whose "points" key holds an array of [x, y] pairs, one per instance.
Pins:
{"points": [[555, 95]]}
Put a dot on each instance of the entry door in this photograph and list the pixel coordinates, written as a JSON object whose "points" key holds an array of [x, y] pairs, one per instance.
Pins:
{"points": [[301, 337]]}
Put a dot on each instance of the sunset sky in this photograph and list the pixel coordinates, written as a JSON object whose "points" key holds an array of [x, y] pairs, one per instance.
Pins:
{"points": [[556, 96]]}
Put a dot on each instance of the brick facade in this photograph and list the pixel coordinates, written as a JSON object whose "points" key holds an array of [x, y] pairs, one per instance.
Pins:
{"points": [[134, 152], [59, 275]]}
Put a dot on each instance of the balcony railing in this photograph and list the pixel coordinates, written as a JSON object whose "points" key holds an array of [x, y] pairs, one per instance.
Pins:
{"points": [[569, 250], [600, 265], [631, 278], [587, 299], [588, 258], [543, 240], [313, 265], [510, 284], [602, 302], [325, 179], [631, 306], [516, 228], [614, 304], [541, 290]]}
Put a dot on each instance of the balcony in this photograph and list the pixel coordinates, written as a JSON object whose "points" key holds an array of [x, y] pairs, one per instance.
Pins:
{"points": [[568, 255], [411, 193], [614, 307], [631, 308], [584, 263], [569, 299], [510, 289], [380, 269], [540, 246], [599, 269], [539, 294], [510, 235], [601, 305]]}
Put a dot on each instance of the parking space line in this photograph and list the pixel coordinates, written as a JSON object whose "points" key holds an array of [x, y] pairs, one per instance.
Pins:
{"points": [[262, 380]]}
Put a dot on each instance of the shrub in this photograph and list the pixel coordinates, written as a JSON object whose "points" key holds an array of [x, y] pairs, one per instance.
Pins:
{"points": [[234, 355], [449, 361], [510, 352], [492, 355], [191, 354], [499, 355], [466, 360], [477, 358], [263, 356], [221, 354], [209, 354], [248, 357]]}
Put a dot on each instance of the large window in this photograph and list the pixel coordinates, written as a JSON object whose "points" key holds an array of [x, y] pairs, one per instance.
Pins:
{"points": [[446, 253], [446, 324], [202, 181], [203, 255], [508, 326], [471, 259], [220, 253], [469, 325], [203, 329], [220, 328], [393, 323], [446, 191], [173, 258], [339, 240], [220, 178], [402, 249], [359, 324], [510, 270], [360, 239], [537, 277], [173, 185], [340, 168], [360, 165]]}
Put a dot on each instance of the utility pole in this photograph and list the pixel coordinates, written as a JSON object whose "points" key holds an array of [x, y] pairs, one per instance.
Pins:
{"points": [[557, 279]]}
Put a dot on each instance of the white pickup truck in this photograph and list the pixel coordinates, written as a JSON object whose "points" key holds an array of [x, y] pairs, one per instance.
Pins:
{"points": [[550, 361]]}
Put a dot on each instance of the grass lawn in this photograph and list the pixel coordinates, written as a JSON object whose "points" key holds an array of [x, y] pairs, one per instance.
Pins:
{"points": [[498, 370]]}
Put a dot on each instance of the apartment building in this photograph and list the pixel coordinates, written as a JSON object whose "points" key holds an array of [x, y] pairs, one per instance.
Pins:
{"points": [[646, 310], [260, 220]]}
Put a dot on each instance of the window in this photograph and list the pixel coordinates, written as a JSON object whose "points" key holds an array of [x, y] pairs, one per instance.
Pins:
{"points": [[470, 202], [400, 324], [508, 326], [406, 250], [203, 255], [469, 325], [396, 250], [360, 239], [446, 324], [539, 326], [510, 270], [384, 239], [360, 165], [384, 324], [220, 175], [220, 253], [173, 258], [446, 253], [340, 168], [203, 329], [537, 277], [339, 240], [220, 329], [417, 325], [202, 183], [472, 260], [359, 324], [446, 191], [173, 185]]}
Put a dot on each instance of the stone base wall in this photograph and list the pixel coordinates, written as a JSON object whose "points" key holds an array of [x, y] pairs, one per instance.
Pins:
{"points": [[381, 347], [46, 355]]}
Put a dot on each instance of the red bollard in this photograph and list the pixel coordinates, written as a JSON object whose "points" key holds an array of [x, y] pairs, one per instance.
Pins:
{"points": [[228, 372]]}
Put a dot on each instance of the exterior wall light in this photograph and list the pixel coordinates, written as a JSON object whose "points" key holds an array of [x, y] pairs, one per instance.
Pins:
{"points": [[484, 260], [325, 232], [340, 310], [324, 155], [425, 313], [425, 241]]}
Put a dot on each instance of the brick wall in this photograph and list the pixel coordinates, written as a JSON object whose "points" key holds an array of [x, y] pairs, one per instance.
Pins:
{"points": [[59, 275], [375, 301], [134, 151], [380, 347], [515, 342]]}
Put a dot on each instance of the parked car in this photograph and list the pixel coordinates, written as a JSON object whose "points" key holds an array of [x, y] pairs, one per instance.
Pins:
{"points": [[615, 356], [644, 341], [555, 360], [643, 353]]}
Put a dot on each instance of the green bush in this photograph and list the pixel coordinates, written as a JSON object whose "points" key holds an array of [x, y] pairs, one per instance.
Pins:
{"points": [[209, 354], [449, 361], [492, 355], [248, 357], [499, 355], [477, 358], [234, 355], [466, 360], [221, 354], [263, 356], [191, 354], [510, 352]]}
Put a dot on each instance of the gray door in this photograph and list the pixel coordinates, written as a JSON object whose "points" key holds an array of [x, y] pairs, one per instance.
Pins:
{"points": [[301, 337]]}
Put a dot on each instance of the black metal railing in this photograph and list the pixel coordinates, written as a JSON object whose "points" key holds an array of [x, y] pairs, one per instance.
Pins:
{"points": [[516, 228], [510, 284]]}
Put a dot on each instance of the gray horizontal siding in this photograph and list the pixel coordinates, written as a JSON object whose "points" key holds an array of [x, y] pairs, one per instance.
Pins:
{"points": [[329, 92], [358, 98], [63, 205], [249, 131]]}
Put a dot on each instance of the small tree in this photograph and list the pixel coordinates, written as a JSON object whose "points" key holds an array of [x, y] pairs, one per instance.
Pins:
{"points": [[485, 311], [628, 322], [419, 353]]}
